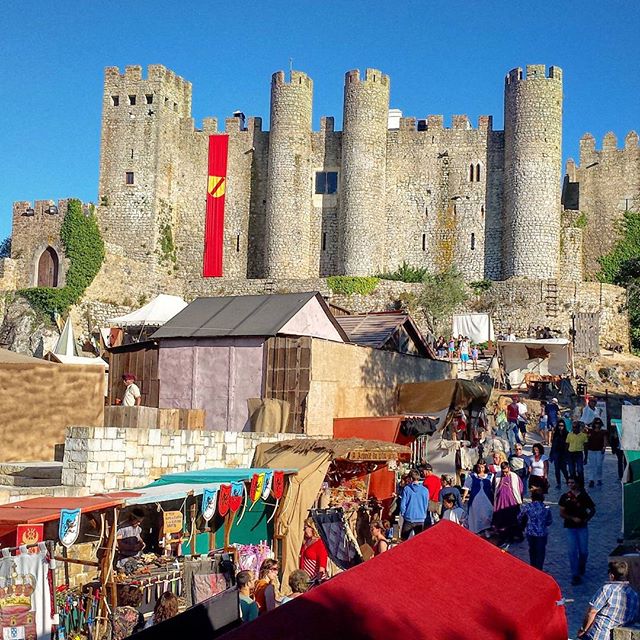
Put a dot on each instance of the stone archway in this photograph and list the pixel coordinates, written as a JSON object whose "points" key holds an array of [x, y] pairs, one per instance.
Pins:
{"points": [[48, 267]]}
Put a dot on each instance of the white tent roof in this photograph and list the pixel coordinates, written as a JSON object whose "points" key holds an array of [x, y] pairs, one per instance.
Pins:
{"points": [[155, 313], [65, 359], [553, 357], [66, 345]]}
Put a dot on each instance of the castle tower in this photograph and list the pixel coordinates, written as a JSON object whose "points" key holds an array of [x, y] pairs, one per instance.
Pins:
{"points": [[362, 221], [532, 166], [288, 215], [143, 120]]}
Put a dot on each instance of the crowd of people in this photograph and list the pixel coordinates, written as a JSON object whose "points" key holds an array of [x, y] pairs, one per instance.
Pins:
{"points": [[460, 348]]}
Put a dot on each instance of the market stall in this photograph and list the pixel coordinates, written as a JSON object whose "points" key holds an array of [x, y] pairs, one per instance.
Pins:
{"points": [[331, 473]]}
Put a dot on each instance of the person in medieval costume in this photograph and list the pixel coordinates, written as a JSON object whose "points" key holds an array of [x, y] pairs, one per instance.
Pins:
{"points": [[478, 494]]}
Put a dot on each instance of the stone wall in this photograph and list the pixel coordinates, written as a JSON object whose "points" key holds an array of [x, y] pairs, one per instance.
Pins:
{"points": [[609, 184], [110, 459], [8, 275]]}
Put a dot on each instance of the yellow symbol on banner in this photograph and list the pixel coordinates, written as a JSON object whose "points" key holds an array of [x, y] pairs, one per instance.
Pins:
{"points": [[216, 186], [258, 488], [172, 521]]}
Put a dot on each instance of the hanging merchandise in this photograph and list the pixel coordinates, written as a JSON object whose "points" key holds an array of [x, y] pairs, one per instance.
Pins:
{"points": [[268, 479], [251, 556], [224, 494], [69, 526], [278, 484], [237, 493], [77, 613], [29, 534], [208, 504], [257, 485]]}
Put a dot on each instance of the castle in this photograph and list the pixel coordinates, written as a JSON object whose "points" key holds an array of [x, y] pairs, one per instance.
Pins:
{"points": [[304, 204]]}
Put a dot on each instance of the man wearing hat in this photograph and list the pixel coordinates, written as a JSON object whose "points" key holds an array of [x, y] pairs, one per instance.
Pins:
{"points": [[131, 395]]}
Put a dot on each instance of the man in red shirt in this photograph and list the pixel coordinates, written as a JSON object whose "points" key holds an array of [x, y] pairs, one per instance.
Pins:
{"points": [[513, 412], [433, 484]]}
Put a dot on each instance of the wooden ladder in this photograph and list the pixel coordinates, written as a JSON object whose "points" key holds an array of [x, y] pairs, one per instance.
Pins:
{"points": [[551, 299]]}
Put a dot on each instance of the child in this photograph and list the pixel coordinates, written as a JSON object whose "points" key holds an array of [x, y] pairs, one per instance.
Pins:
{"points": [[543, 421], [464, 353], [451, 348], [538, 518], [474, 357], [453, 513]]}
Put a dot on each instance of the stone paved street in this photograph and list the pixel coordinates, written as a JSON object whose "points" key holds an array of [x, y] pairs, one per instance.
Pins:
{"points": [[604, 530]]}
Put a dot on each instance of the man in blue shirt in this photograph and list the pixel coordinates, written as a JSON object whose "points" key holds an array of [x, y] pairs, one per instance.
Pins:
{"points": [[615, 605], [413, 506]]}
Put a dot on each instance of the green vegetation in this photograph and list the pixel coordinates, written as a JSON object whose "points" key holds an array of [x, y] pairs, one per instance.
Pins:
{"points": [[441, 294], [84, 248], [5, 248], [348, 285], [621, 266], [480, 286], [167, 249], [581, 220], [405, 273]]}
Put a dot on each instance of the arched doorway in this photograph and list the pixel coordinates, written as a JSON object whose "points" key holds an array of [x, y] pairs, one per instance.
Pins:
{"points": [[48, 268]]}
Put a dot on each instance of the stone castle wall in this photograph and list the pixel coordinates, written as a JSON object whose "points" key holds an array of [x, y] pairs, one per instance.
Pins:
{"points": [[609, 184]]}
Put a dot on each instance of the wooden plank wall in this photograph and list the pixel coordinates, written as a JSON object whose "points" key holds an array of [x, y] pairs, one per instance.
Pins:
{"points": [[287, 367], [142, 362]]}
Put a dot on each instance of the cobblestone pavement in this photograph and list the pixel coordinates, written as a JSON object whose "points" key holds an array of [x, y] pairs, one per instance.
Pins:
{"points": [[604, 530]]}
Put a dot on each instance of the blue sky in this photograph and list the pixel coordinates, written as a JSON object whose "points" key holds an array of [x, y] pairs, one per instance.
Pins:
{"points": [[442, 57]]}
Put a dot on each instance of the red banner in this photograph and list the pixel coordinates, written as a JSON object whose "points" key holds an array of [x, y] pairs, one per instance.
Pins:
{"points": [[29, 534], [214, 222]]}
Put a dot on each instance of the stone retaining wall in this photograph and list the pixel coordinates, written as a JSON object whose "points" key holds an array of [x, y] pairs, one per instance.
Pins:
{"points": [[112, 459]]}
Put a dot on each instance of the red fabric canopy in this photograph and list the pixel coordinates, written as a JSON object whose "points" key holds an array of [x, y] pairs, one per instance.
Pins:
{"points": [[444, 584]]}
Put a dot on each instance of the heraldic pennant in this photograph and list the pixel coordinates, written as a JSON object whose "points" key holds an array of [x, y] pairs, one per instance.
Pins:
{"points": [[224, 496], [256, 489], [278, 484], [237, 493]]}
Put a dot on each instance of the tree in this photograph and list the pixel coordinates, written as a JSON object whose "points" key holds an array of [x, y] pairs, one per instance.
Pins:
{"points": [[5, 248], [441, 294]]}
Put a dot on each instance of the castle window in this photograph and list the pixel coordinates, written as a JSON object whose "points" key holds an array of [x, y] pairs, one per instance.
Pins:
{"points": [[175, 106], [128, 177], [238, 243], [324, 240], [471, 173], [115, 101], [326, 182], [482, 210], [424, 241], [478, 173], [148, 98], [473, 241], [132, 100]]}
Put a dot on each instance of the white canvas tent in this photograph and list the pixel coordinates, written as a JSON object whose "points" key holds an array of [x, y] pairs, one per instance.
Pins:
{"points": [[66, 350], [154, 314], [552, 357], [478, 327]]}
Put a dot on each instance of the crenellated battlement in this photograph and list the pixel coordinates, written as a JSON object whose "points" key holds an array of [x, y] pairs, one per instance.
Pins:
{"points": [[370, 76], [458, 123], [609, 145], [38, 208], [156, 73], [533, 72], [296, 78]]}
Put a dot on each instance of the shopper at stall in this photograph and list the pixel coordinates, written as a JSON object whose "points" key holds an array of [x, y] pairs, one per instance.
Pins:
{"points": [[596, 445], [298, 583], [379, 538], [129, 537], [248, 608], [166, 607], [576, 509], [267, 587], [536, 519], [127, 620], [559, 453], [478, 493], [538, 470], [413, 506], [506, 504], [313, 554]]}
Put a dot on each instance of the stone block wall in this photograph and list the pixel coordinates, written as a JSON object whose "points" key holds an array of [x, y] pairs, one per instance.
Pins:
{"points": [[8, 274], [111, 459]]}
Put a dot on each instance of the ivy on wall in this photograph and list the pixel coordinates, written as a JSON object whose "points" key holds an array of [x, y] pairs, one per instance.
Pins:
{"points": [[347, 285], [84, 249]]}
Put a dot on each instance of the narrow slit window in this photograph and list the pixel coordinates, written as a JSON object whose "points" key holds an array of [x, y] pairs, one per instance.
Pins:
{"points": [[324, 240], [149, 98], [424, 241], [478, 173], [115, 101], [326, 182], [238, 243], [128, 177], [473, 241], [132, 154], [471, 173], [132, 100]]}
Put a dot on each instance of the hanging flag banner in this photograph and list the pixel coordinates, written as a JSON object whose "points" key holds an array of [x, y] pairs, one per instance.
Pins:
{"points": [[266, 491], [278, 484], [214, 221], [208, 504], [69, 527], [29, 534], [224, 494], [172, 522], [257, 484], [237, 493]]}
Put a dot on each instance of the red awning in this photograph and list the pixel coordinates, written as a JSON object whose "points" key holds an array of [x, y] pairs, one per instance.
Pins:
{"points": [[38, 510], [445, 583]]}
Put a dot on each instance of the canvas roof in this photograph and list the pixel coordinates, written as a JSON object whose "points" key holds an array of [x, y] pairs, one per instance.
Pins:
{"points": [[424, 588], [84, 360], [155, 313], [551, 356], [243, 316], [214, 476], [66, 345], [375, 329], [11, 357]]}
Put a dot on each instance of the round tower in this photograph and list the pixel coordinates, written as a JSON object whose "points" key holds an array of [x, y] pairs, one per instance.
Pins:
{"points": [[532, 171], [288, 215], [364, 154]]}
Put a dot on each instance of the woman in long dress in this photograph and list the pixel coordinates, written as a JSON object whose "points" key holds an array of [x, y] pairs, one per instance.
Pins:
{"points": [[478, 494], [506, 504]]}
